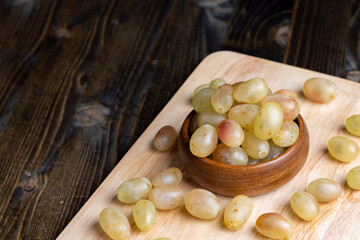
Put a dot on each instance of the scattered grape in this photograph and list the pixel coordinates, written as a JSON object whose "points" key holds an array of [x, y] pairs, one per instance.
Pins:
{"points": [[255, 147], [269, 121], [168, 176], [289, 105], [244, 114], [202, 204], [134, 190], [230, 133], [201, 87], [343, 149], [166, 197], [204, 141], [222, 99], [275, 226], [165, 138], [144, 214], [229, 155], [320, 90], [353, 178], [217, 82], [114, 223], [352, 124], [202, 100], [210, 117], [237, 212], [305, 205], [251, 91], [287, 135], [324, 189], [287, 92]]}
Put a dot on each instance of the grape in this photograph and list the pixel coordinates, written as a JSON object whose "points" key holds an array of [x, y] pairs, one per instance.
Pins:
{"points": [[204, 141], [201, 87], [324, 189], [237, 212], [287, 135], [353, 178], [217, 82], [202, 204], [289, 105], [251, 91], [274, 151], [134, 190], [287, 92], [255, 147], [210, 117], [168, 176], [244, 114], [343, 149], [193, 123], [352, 124], [304, 205], [166, 197], [114, 223], [253, 161], [269, 121], [274, 225], [230, 133], [165, 138], [144, 214], [320, 90], [222, 99], [229, 155], [202, 100]]}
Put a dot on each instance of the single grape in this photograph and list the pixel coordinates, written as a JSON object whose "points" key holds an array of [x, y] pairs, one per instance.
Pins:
{"points": [[165, 138], [305, 205], [324, 189], [217, 82], [343, 149], [289, 105], [144, 214], [229, 155], [166, 197], [274, 151], [275, 226], [222, 99], [230, 133], [244, 114], [168, 176], [287, 92], [352, 125], [269, 121], [320, 90], [287, 135], [202, 204], [237, 212], [114, 223], [134, 190], [201, 87], [255, 147], [204, 141], [210, 117], [202, 100], [353, 178], [251, 91]]}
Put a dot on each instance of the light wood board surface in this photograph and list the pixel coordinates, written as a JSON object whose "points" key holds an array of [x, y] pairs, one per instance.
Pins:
{"points": [[339, 219]]}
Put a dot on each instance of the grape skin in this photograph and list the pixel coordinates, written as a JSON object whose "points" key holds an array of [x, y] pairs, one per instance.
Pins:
{"points": [[166, 197], [269, 121], [134, 190], [287, 135], [168, 176], [289, 105], [114, 223], [275, 226], [201, 87], [229, 155], [353, 178], [144, 214], [324, 189], [251, 91], [217, 82], [222, 99], [320, 90], [352, 125], [204, 141], [255, 147], [165, 138], [343, 149], [202, 100], [305, 205], [210, 117], [287, 92], [202, 204], [244, 114], [237, 212], [230, 133]]}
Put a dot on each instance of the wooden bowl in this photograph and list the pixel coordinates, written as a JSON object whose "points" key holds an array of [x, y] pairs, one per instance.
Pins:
{"points": [[249, 179]]}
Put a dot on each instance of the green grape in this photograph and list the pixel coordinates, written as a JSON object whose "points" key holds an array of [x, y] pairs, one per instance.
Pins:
{"points": [[289, 105], [275, 226], [134, 190], [269, 121], [255, 147], [202, 100], [352, 124], [144, 214], [165, 138], [305, 205], [324, 189], [222, 99], [244, 114], [114, 223], [353, 178], [202, 204], [168, 176], [230, 133], [217, 82], [229, 155], [201, 87], [343, 149], [237, 212], [251, 91], [287, 135], [166, 197], [287, 92], [210, 117], [204, 141], [320, 90], [274, 151]]}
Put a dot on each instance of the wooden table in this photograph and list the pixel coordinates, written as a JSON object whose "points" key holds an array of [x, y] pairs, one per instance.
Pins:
{"points": [[81, 80]]}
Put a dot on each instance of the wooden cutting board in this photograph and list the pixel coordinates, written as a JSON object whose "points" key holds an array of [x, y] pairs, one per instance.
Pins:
{"points": [[339, 219]]}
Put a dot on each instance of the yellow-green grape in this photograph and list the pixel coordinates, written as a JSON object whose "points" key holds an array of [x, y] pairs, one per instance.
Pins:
{"points": [[253, 161], [269, 121], [343, 149], [201, 87], [324, 189], [204, 141], [289, 105], [244, 114], [352, 124], [202, 100], [320, 90], [165, 138], [275, 226], [251, 91], [166, 197], [353, 178], [229, 155], [114, 223], [202, 204], [305, 205], [144, 214], [237, 212], [168, 176], [287, 92], [274, 151], [193, 123], [255, 147], [222, 99], [217, 82], [134, 190], [287, 135], [210, 117], [230, 133], [162, 238]]}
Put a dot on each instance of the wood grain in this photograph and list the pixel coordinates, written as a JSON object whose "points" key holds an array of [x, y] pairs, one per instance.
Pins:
{"points": [[338, 219]]}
